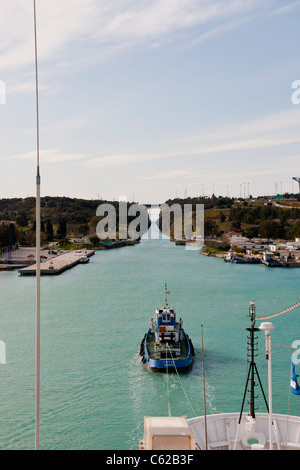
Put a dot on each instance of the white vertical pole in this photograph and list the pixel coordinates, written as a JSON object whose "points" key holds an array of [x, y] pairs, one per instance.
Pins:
{"points": [[266, 327], [268, 351], [38, 255], [38, 223], [204, 396]]}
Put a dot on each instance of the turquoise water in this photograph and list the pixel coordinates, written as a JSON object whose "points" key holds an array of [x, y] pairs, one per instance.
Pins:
{"points": [[95, 391]]}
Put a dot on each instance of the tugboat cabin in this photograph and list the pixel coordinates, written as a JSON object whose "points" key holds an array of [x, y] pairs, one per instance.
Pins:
{"points": [[168, 331]]}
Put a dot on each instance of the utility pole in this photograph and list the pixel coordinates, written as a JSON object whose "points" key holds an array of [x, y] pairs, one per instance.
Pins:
{"points": [[296, 178]]}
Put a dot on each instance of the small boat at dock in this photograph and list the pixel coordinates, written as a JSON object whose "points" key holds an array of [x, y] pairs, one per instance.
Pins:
{"points": [[232, 258], [269, 260], [84, 260], [166, 346]]}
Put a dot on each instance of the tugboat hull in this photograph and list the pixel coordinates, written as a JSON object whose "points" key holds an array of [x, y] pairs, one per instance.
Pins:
{"points": [[164, 366], [271, 264], [269, 261], [169, 363]]}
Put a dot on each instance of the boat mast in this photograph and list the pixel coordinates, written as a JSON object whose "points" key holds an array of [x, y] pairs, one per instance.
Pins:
{"points": [[38, 248], [252, 353], [166, 300], [204, 396], [252, 366]]}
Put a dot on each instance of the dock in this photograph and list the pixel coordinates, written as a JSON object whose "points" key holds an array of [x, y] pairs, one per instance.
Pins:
{"points": [[57, 264], [10, 267], [291, 264]]}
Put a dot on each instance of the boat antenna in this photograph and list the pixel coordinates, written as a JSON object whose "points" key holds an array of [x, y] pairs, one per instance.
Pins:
{"points": [[166, 292], [38, 246], [252, 366]]}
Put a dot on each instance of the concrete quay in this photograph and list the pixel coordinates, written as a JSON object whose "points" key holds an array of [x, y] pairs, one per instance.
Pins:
{"points": [[57, 264]]}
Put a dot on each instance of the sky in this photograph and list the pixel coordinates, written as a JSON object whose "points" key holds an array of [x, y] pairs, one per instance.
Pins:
{"points": [[150, 99]]}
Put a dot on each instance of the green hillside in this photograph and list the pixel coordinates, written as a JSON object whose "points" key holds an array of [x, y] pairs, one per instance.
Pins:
{"points": [[259, 217], [61, 218]]}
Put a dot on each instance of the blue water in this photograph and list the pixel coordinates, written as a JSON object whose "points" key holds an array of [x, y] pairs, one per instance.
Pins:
{"points": [[95, 391]]}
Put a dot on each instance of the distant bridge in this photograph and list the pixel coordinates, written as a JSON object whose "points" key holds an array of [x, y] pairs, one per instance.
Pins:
{"points": [[151, 206]]}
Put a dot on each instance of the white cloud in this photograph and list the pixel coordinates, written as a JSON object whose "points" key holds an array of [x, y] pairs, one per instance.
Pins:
{"points": [[287, 8], [58, 23], [111, 26], [215, 32], [47, 156], [29, 87], [266, 132], [134, 158], [124, 159], [172, 174], [272, 125]]}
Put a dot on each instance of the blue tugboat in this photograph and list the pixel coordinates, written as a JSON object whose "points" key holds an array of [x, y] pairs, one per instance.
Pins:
{"points": [[166, 346], [269, 261]]}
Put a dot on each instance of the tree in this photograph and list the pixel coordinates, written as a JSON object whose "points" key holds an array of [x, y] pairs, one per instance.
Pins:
{"points": [[211, 228], [8, 235], [293, 231], [271, 229], [222, 217], [49, 231], [83, 229], [62, 229], [250, 232], [42, 226], [235, 225], [22, 220], [94, 240]]}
